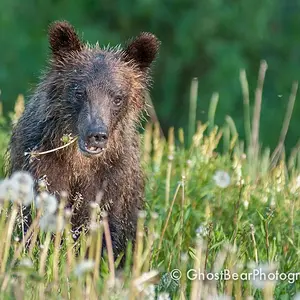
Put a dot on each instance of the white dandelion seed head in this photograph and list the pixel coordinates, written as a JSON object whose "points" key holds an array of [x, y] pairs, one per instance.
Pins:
{"points": [[218, 297], [163, 296], [149, 292], [84, 267], [26, 262], [246, 204], [297, 296], [22, 178], [222, 179], [5, 189], [68, 213], [154, 215], [142, 214], [46, 202], [184, 257], [94, 205], [265, 275], [49, 222], [64, 194], [156, 235], [202, 230], [18, 188], [298, 181], [94, 226], [170, 157], [273, 203], [23, 183]]}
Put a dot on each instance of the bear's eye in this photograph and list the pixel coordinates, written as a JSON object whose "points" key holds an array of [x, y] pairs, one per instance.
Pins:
{"points": [[117, 101]]}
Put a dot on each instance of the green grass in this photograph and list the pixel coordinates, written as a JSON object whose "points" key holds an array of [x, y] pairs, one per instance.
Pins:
{"points": [[205, 211]]}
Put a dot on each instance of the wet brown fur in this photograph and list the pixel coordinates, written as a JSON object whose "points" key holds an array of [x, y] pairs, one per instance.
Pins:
{"points": [[48, 116]]}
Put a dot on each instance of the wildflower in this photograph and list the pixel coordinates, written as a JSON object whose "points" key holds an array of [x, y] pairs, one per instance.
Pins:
{"points": [[149, 292], [163, 296], [6, 190], [46, 202], [26, 263], [154, 215], [222, 179], [218, 297], [84, 267], [202, 230], [170, 157], [297, 296], [246, 204], [18, 188], [142, 214], [49, 222], [23, 183], [184, 257], [298, 181], [264, 275]]}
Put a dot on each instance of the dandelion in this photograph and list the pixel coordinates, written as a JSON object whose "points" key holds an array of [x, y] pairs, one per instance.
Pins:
{"points": [[218, 297], [298, 181], [23, 183], [18, 188], [26, 263], [163, 296], [5, 190], [222, 179], [49, 222], [184, 257], [264, 275], [46, 202], [246, 204], [149, 292], [202, 230], [84, 267], [297, 296]]}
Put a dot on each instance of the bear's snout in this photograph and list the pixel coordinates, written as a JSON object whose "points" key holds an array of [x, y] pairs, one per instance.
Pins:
{"points": [[94, 141]]}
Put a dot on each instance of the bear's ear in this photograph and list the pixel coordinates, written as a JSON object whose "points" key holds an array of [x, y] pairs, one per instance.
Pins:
{"points": [[143, 49], [63, 38]]}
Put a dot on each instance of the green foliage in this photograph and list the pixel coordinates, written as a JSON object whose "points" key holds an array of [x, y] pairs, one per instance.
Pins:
{"points": [[204, 212], [211, 40]]}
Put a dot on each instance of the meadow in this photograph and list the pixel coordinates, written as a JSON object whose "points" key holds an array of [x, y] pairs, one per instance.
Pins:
{"points": [[218, 209]]}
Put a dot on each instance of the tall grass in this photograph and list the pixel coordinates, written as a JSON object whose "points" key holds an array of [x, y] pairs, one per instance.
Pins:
{"points": [[206, 214]]}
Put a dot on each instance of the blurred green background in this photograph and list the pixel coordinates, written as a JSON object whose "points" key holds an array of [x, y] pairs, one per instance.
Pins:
{"points": [[208, 39]]}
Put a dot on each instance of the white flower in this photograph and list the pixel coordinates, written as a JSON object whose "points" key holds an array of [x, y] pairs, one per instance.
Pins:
{"points": [[263, 275], [246, 204], [6, 191], [222, 179], [202, 230], [84, 267], [24, 184], [46, 202], [149, 292], [298, 181], [297, 296], [18, 188], [218, 297], [163, 296], [26, 263], [49, 223]]}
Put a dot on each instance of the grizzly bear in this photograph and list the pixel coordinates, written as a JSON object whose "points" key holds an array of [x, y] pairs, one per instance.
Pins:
{"points": [[97, 96]]}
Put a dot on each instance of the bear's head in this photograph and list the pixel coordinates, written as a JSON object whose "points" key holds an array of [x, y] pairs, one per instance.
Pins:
{"points": [[100, 91]]}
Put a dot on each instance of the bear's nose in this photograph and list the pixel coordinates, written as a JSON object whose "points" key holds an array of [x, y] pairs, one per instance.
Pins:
{"points": [[97, 139]]}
